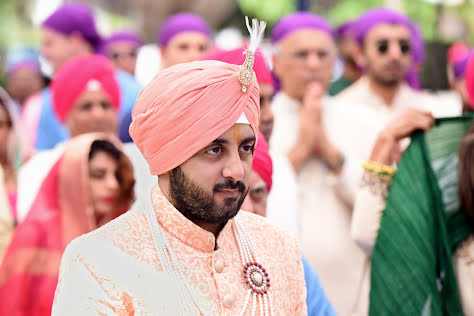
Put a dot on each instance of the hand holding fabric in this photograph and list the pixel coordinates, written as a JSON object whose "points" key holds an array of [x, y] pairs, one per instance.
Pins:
{"points": [[386, 148]]}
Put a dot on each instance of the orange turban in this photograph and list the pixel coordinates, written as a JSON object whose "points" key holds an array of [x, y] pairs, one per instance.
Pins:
{"points": [[187, 106]]}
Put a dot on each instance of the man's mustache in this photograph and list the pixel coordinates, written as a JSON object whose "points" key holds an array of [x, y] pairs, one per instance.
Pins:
{"points": [[229, 184]]}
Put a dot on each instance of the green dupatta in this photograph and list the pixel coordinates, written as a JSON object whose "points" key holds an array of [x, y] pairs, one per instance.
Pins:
{"points": [[412, 271]]}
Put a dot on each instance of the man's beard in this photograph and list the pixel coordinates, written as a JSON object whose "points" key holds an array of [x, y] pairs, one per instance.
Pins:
{"points": [[386, 80], [199, 206]]}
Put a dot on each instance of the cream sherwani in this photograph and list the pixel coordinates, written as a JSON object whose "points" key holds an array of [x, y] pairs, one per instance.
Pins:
{"points": [[116, 270]]}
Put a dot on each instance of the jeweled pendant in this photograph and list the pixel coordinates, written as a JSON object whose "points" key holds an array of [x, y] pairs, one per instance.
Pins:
{"points": [[256, 278]]}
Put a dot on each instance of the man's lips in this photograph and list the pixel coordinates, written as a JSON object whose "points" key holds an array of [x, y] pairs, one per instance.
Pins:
{"points": [[109, 199], [230, 192]]}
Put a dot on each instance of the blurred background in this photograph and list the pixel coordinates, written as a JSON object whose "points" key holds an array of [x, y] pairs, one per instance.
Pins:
{"points": [[442, 22]]}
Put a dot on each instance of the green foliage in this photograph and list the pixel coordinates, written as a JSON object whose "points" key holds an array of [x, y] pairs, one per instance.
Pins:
{"points": [[425, 15], [346, 10], [13, 29], [267, 10]]}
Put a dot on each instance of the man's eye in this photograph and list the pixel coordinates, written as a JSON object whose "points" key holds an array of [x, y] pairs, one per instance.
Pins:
{"points": [[106, 105], [247, 148], [301, 54], [214, 151], [86, 106], [322, 54]]}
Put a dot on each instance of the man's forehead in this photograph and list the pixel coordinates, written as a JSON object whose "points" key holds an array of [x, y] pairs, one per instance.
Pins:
{"points": [[307, 38], [188, 37], [238, 133], [387, 31]]}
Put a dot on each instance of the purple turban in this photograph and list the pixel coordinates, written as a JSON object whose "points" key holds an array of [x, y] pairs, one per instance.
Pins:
{"points": [[345, 30], [125, 36], [182, 22], [21, 57], [457, 57], [74, 17], [298, 21]]}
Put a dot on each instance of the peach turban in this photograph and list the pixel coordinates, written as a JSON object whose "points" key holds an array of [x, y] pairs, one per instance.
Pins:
{"points": [[187, 106]]}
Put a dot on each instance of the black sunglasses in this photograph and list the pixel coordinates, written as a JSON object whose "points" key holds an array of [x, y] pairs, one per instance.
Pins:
{"points": [[382, 46]]}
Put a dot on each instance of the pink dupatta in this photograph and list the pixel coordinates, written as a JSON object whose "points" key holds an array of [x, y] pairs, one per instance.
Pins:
{"points": [[61, 212]]}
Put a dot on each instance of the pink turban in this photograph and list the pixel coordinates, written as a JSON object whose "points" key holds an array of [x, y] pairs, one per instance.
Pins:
{"points": [[187, 106], [469, 77], [79, 74], [262, 162]]}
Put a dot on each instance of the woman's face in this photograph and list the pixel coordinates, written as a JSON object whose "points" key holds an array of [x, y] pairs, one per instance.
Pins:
{"points": [[104, 185], [5, 128]]}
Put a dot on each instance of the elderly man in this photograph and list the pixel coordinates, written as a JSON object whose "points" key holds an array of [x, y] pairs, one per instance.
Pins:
{"points": [[68, 32], [189, 250], [182, 38], [304, 56]]}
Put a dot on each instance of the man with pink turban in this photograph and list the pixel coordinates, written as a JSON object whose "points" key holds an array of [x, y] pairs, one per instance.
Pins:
{"points": [[86, 98], [68, 32], [187, 250]]}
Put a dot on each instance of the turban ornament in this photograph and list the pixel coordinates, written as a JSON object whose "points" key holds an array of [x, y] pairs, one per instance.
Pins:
{"points": [[246, 72]]}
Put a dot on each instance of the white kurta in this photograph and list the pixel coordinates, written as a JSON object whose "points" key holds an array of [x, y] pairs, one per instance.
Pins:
{"points": [[366, 114], [324, 215], [352, 121], [283, 203]]}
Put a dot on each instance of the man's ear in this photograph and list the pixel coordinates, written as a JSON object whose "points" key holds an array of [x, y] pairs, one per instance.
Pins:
{"points": [[276, 64], [359, 56], [80, 43]]}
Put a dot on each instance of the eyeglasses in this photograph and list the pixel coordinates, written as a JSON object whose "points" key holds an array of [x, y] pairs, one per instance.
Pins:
{"points": [[300, 56], [383, 45], [130, 54]]}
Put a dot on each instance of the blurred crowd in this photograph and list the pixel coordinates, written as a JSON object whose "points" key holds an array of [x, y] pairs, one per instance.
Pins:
{"points": [[328, 150]]}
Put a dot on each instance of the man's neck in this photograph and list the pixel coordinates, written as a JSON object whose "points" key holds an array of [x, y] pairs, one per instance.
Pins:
{"points": [[385, 92], [212, 228]]}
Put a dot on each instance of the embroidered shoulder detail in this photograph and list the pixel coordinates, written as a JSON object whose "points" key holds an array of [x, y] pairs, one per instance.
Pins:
{"points": [[131, 234]]}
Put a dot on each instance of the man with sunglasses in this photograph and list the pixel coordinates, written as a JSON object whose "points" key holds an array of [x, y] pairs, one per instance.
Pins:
{"points": [[303, 60], [381, 110]]}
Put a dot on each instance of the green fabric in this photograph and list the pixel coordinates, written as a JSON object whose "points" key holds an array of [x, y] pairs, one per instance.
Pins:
{"points": [[339, 85], [412, 270]]}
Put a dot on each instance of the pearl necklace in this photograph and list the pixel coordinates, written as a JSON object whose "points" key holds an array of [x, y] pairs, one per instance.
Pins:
{"points": [[254, 275]]}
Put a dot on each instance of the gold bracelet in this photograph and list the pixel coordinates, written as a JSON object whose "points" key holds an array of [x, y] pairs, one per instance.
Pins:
{"points": [[378, 168]]}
